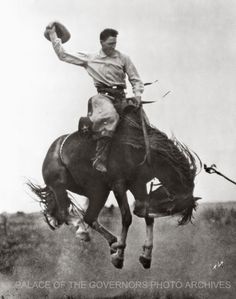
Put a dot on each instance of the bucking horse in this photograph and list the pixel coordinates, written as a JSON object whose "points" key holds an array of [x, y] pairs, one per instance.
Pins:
{"points": [[68, 167]]}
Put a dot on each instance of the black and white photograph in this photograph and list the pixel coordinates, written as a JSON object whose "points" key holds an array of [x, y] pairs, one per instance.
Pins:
{"points": [[118, 149]]}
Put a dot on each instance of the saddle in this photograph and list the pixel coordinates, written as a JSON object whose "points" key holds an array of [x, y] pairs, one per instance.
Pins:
{"points": [[124, 107]]}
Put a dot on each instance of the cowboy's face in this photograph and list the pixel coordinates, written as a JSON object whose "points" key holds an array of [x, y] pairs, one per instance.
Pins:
{"points": [[109, 45]]}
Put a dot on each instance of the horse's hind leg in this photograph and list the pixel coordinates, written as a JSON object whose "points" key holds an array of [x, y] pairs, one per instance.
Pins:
{"points": [[146, 256], [63, 202], [118, 248]]}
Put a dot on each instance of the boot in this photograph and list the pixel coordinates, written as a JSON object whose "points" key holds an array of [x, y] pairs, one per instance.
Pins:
{"points": [[102, 152]]}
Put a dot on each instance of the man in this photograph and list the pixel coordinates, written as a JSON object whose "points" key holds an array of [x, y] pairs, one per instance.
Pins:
{"points": [[108, 68]]}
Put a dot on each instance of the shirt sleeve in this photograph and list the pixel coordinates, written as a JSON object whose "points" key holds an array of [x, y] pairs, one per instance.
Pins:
{"points": [[77, 58], [133, 76]]}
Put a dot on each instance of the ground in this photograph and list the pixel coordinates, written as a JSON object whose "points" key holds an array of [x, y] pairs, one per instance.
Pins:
{"points": [[193, 261]]}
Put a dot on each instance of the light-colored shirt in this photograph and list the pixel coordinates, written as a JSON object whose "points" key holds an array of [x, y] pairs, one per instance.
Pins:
{"points": [[108, 70]]}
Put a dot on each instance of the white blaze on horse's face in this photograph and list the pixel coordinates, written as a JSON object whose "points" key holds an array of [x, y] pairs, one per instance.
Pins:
{"points": [[109, 45]]}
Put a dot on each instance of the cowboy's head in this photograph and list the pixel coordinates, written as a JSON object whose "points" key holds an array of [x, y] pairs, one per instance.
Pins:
{"points": [[108, 40]]}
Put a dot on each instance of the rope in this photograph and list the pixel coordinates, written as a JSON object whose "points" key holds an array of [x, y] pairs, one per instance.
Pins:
{"points": [[145, 136], [212, 169]]}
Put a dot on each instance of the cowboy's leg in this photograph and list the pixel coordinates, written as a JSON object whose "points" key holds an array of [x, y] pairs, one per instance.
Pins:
{"points": [[102, 152], [105, 119]]}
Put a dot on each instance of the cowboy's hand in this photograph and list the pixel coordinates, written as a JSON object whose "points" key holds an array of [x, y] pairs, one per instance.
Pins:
{"points": [[51, 29], [51, 26], [137, 101]]}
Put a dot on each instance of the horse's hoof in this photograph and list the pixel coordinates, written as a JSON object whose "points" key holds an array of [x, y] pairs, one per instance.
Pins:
{"points": [[117, 261], [146, 262], [113, 247], [83, 236], [112, 250]]}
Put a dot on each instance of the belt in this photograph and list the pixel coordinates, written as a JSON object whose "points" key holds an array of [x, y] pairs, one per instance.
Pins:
{"points": [[114, 91], [113, 87]]}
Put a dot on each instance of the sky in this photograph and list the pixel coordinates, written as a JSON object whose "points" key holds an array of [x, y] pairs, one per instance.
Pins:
{"points": [[188, 46]]}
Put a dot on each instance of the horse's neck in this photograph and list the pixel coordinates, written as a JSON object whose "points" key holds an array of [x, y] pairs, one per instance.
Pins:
{"points": [[129, 130], [130, 123], [128, 148]]}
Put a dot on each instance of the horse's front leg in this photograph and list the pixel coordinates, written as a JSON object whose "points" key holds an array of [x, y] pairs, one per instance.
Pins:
{"points": [[146, 256], [139, 191], [111, 239], [82, 230], [118, 248]]}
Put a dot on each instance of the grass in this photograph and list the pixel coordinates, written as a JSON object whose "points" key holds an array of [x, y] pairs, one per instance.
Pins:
{"points": [[200, 253], [220, 215]]}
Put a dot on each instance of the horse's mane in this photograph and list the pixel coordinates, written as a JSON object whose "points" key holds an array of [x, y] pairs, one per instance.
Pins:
{"points": [[176, 154]]}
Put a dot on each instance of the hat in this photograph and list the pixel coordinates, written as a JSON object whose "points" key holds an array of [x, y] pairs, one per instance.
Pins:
{"points": [[61, 32]]}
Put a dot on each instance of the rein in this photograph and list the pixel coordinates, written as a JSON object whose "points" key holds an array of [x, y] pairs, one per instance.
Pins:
{"points": [[133, 123]]}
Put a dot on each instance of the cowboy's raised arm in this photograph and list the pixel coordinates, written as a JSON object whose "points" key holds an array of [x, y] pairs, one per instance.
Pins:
{"points": [[61, 52]]}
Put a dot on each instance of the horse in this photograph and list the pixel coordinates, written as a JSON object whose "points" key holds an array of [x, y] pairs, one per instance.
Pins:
{"points": [[68, 167]]}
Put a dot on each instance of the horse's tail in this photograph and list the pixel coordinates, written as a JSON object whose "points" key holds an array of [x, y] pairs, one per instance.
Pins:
{"points": [[177, 162], [43, 193], [189, 161], [187, 213], [176, 167], [46, 199], [191, 165]]}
